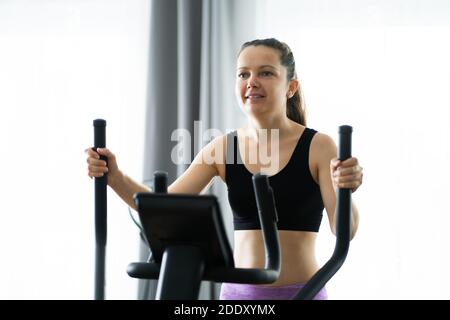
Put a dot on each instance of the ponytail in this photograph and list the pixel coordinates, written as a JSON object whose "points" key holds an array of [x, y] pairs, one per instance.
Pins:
{"points": [[295, 108]]}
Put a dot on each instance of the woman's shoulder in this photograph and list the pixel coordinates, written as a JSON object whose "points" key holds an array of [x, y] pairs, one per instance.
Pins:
{"points": [[213, 152], [322, 146], [321, 138], [217, 141]]}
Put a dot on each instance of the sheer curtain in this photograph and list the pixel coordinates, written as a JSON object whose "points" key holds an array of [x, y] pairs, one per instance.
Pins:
{"points": [[192, 62], [382, 67]]}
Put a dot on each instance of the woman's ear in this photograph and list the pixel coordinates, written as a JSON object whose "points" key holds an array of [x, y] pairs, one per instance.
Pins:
{"points": [[293, 87]]}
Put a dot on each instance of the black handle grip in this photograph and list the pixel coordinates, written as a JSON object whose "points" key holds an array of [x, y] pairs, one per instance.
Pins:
{"points": [[268, 219], [100, 214], [343, 224], [345, 142], [160, 182]]}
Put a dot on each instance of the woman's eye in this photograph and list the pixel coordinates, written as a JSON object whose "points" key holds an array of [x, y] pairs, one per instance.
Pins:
{"points": [[244, 75], [266, 73]]}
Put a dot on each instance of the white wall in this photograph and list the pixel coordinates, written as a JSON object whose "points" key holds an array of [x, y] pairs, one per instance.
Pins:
{"points": [[384, 68], [63, 64]]}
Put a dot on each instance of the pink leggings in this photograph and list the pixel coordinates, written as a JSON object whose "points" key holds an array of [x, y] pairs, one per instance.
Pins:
{"points": [[237, 291]]}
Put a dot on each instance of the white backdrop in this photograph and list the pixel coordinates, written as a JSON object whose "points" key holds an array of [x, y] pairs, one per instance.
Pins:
{"points": [[384, 68], [63, 64]]}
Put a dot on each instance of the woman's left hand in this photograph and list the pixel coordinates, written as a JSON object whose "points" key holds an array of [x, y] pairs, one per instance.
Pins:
{"points": [[346, 174]]}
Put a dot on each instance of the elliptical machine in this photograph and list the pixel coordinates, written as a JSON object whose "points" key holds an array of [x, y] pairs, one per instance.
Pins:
{"points": [[188, 241]]}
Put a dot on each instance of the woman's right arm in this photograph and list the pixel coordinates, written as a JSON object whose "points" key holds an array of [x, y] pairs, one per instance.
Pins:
{"points": [[199, 174], [123, 185]]}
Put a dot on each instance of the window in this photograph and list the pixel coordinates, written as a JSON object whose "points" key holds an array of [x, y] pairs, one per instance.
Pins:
{"points": [[63, 64]]}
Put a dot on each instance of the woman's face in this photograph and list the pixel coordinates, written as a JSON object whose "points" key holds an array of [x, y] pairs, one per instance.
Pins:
{"points": [[261, 81]]}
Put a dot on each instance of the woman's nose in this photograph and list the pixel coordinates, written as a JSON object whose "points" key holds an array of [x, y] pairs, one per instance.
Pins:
{"points": [[252, 83]]}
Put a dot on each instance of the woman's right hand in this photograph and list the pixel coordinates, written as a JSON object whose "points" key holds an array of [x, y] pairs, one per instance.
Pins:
{"points": [[97, 167]]}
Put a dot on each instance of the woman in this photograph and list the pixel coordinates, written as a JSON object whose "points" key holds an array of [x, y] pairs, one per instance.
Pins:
{"points": [[300, 162]]}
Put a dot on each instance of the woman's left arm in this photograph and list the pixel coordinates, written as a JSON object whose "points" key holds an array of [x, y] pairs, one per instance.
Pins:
{"points": [[333, 174]]}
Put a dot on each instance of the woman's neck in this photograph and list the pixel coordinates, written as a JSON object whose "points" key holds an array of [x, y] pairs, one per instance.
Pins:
{"points": [[285, 127]]}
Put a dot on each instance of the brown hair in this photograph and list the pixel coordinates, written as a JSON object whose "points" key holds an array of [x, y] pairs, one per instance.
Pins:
{"points": [[295, 109]]}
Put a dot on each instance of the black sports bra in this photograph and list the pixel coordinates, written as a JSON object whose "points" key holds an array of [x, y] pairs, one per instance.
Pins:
{"points": [[297, 196]]}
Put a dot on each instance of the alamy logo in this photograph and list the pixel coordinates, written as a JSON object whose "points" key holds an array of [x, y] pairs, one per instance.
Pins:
{"points": [[260, 149]]}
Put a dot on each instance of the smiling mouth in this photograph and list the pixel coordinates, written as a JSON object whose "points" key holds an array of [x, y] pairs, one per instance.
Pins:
{"points": [[254, 97]]}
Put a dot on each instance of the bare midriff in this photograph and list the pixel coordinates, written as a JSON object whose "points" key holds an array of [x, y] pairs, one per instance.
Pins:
{"points": [[298, 261]]}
